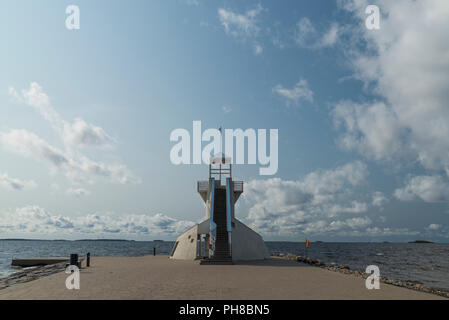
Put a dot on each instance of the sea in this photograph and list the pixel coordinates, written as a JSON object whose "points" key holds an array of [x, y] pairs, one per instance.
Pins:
{"points": [[425, 263]]}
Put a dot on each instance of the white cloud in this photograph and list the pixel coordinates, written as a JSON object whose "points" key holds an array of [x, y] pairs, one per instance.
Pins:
{"points": [[79, 133], [312, 204], [243, 26], [434, 226], [192, 2], [354, 207], [29, 144], [372, 130], [70, 161], [36, 220], [14, 95], [379, 199], [78, 192], [304, 29], [359, 222], [331, 181], [300, 91], [240, 25], [406, 63], [226, 109], [426, 188], [83, 134], [331, 37], [15, 184], [76, 167], [308, 37], [337, 227], [258, 49], [385, 232], [36, 97]]}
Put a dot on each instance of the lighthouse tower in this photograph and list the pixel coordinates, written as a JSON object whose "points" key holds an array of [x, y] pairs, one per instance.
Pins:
{"points": [[221, 238]]}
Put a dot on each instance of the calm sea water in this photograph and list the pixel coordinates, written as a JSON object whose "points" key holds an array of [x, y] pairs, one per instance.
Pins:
{"points": [[426, 263]]}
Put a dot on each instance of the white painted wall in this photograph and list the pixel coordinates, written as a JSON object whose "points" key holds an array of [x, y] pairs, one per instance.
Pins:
{"points": [[204, 227], [247, 244], [186, 249]]}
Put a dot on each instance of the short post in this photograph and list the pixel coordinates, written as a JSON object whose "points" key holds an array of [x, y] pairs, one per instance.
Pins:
{"points": [[88, 259], [154, 251], [74, 259]]}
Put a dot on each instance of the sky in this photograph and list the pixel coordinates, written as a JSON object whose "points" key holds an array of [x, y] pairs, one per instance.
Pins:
{"points": [[362, 116]]}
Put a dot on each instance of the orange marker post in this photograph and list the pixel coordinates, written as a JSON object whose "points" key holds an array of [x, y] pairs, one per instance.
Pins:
{"points": [[307, 246]]}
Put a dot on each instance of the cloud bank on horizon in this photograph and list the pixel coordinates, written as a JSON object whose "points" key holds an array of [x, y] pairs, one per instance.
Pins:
{"points": [[38, 221], [395, 125]]}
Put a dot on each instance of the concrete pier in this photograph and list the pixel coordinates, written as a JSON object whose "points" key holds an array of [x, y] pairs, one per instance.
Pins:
{"points": [[33, 262], [157, 277]]}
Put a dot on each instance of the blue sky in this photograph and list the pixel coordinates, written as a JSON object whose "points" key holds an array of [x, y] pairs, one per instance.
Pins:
{"points": [[86, 116]]}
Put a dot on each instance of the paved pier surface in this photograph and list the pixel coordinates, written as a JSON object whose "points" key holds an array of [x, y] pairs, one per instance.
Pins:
{"points": [[161, 278]]}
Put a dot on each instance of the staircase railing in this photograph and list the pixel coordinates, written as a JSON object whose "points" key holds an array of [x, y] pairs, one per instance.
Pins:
{"points": [[212, 224], [229, 193]]}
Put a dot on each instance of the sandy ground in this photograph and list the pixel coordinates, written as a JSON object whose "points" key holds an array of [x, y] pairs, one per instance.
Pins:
{"points": [[161, 278]]}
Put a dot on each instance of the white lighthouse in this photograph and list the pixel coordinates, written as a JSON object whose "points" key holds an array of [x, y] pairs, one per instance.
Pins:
{"points": [[221, 238]]}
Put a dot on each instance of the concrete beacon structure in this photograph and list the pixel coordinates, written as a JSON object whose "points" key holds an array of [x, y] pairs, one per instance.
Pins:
{"points": [[221, 238]]}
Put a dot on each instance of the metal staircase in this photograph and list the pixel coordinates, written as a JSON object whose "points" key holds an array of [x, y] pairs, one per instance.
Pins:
{"points": [[222, 251]]}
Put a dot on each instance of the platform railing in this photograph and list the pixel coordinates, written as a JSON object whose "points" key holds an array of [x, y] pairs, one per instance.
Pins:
{"points": [[202, 185], [238, 186], [220, 170]]}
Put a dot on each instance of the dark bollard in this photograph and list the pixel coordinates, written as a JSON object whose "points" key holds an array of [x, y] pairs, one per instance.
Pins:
{"points": [[74, 259], [154, 251], [88, 259]]}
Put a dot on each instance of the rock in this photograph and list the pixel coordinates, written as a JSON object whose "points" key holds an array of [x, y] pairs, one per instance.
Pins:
{"points": [[332, 266], [31, 274], [290, 256]]}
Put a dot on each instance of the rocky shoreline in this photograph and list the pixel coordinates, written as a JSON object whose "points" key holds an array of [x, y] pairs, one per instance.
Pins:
{"points": [[31, 274], [414, 285]]}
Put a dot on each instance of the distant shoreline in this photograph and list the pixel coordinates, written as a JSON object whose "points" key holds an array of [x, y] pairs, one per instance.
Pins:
{"points": [[286, 241], [19, 239]]}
